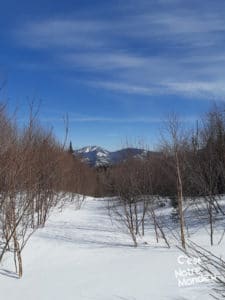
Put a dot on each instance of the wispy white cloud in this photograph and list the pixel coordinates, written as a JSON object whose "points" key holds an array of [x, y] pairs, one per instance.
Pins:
{"points": [[124, 87], [104, 61], [161, 50], [205, 90], [176, 26], [61, 33], [115, 120], [214, 90], [99, 119]]}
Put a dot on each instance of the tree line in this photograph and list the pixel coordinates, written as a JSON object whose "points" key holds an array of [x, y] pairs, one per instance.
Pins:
{"points": [[36, 171], [189, 166]]}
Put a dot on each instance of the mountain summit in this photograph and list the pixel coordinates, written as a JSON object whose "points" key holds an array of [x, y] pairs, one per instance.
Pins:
{"points": [[97, 156]]}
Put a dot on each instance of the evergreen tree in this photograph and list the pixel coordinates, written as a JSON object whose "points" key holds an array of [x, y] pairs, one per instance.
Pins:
{"points": [[71, 151]]}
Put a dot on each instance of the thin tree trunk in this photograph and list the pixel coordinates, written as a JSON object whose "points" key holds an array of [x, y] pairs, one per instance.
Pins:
{"points": [[180, 201], [211, 221], [155, 225]]}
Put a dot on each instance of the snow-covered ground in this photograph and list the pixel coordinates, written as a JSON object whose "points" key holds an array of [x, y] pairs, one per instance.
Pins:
{"points": [[81, 255]]}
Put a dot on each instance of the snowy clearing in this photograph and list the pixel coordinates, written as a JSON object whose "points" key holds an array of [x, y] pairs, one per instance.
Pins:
{"points": [[81, 255]]}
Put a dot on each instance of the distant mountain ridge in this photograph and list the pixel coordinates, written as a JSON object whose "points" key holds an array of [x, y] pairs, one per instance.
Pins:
{"points": [[97, 156]]}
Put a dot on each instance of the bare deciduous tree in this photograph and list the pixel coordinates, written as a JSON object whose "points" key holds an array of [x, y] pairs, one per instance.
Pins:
{"points": [[174, 145]]}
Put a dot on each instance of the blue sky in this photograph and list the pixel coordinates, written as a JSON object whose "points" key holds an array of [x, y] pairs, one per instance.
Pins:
{"points": [[116, 67]]}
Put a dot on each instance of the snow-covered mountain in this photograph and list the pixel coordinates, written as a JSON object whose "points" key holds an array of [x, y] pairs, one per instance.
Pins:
{"points": [[97, 156], [94, 155]]}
